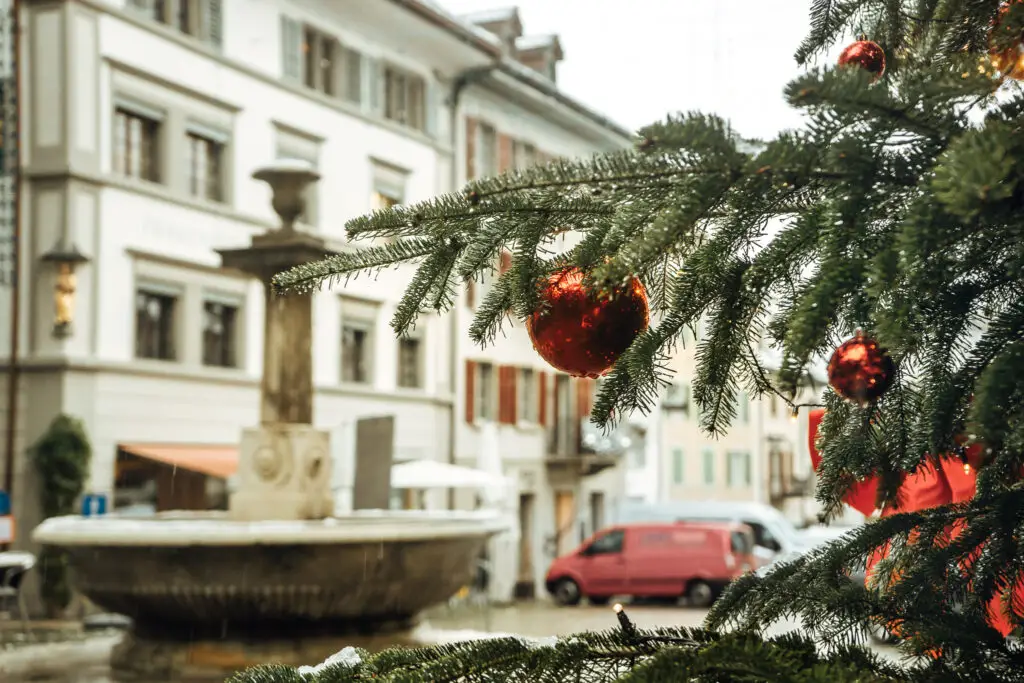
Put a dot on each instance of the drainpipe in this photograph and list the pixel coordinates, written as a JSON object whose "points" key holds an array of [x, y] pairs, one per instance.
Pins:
{"points": [[12, 366], [461, 82]]}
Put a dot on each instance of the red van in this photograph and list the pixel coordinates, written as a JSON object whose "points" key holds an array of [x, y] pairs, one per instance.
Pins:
{"points": [[668, 560]]}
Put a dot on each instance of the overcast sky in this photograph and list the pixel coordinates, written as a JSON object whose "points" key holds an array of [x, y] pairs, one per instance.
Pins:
{"points": [[637, 60]]}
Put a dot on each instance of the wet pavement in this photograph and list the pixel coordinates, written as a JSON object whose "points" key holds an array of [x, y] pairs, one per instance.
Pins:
{"points": [[537, 619]]}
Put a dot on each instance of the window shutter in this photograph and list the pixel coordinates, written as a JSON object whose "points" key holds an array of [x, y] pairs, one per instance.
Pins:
{"points": [[291, 49], [470, 294], [214, 11], [728, 470], [748, 475], [374, 85], [470, 391], [506, 261], [144, 5], [504, 152], [433, 105], [584, 399], [502, 395], [513, 405], [542, 398], [471, 125]]}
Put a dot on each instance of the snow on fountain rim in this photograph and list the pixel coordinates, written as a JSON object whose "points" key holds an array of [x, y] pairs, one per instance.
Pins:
{"points": [[172, 529]]}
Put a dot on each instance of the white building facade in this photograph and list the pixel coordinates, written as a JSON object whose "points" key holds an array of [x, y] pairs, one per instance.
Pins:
{"points": [[142, 123]]}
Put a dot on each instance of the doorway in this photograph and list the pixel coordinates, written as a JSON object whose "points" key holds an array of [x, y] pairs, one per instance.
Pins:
{"points": [[565, 515], [596, 511], [525, 587]]}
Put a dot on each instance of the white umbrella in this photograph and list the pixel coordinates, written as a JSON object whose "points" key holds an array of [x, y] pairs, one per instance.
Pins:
{"points": [[433, 474]]}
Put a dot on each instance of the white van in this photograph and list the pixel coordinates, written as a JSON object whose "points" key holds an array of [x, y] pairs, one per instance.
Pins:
{"points": [[773, 533]]}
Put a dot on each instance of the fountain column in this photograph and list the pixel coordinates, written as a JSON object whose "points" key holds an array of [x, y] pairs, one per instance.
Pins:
{"points": [[284, 469]]}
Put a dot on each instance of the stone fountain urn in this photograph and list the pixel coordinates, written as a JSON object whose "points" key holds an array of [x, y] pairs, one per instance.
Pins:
{"points": [[279, 577]]}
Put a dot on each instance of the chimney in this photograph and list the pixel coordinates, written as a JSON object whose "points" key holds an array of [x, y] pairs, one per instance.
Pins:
{"points": [[541, 53]]}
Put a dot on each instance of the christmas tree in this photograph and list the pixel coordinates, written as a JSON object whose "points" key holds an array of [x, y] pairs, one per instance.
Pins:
{"points": [[900, 255]]}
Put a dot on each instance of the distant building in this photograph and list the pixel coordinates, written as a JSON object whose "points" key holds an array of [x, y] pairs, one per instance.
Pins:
{"points": [[140, 135]]}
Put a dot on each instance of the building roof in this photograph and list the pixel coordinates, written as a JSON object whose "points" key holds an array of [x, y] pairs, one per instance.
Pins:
{"points": [[538, 42], [491, 16], [490, 45]]}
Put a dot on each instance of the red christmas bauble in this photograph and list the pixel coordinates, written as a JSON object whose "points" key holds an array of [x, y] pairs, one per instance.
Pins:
{"points": [[867, 55], [1009, 60], [860, 370], [582, 333]]}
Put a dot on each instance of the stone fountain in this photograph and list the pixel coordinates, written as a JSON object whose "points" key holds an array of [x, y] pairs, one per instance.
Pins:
{"points": [[280, 570]]}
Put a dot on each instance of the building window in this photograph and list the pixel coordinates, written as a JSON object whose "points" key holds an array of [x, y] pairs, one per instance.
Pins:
{"points": [[404, 98], [351, 70], [677, 465], [486, 397], [524, 154], [486, 151], [744, 407], [201, 19], [355, 352], [774, 405], [526, 396], [709, 467], [155, 313], [220, 330], [318, 51], [410, 374], [738, 469], [306, 148], [204, 164], [136, 145]]}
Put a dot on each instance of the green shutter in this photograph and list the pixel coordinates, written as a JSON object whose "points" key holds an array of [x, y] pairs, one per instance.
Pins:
{"points": [[291, 49], [432, 104], [373, 82], [748, 474], [728, 468], [709, 466], [677, 465], [214, 21]]}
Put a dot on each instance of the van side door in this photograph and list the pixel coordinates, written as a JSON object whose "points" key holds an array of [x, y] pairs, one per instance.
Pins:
{"points": [[603, 566]]}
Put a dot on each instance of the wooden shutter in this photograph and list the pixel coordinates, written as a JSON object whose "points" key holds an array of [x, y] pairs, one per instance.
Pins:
{"points": [[432, 102], [373, 85], [471, 125], [504, 152], [584, 397], [513, 406], [542, 397], [470, 294], [214, 19], [470, 391], [506, 394], [506, 261], [291, 49]]}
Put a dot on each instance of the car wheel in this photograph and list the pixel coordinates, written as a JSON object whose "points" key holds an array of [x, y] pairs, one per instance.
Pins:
{"points": [[700, 594], [599, 600], [567, 592]]}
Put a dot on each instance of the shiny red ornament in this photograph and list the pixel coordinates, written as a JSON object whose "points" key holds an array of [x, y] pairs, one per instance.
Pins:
{"points": [[860, 370], [867, 55], [581, 332], [1008, 60]]}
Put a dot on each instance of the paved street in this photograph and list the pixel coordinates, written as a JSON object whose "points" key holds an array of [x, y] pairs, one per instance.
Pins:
{"points": [[540, 619]]}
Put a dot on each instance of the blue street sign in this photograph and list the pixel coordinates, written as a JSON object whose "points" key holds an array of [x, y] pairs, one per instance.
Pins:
{"points": [[94, 504], [5, 504]]}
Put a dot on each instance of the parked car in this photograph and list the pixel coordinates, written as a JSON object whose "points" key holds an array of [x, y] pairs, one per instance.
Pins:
{"points": [[659, 560], [774, 535]]}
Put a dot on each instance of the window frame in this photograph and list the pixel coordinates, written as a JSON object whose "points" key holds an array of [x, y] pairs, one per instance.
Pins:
{"points": [[484, 397], [235, 347], [481, 167], [219, 142], [178, 295], [527, 392], [123, 113], [419, 339], [399, 83]]}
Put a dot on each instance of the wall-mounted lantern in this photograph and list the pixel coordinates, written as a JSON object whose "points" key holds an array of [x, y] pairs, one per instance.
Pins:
{"points": [[66, 258]]}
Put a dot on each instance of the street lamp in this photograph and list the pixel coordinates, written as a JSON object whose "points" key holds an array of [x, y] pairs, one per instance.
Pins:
{"points": [[65, 257], [288, 180]]}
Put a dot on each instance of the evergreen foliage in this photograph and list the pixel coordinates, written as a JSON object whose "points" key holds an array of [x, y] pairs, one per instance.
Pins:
{"points": [[61, 458], [900, 211]]}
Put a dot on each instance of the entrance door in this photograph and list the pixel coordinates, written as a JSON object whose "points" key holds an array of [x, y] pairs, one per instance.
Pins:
{"points": [[596, 511], [526, 503], [605, 572], [565, 514]]}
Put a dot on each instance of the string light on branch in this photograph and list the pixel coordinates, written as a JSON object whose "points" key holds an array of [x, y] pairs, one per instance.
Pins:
{"points": [[794, 414]]}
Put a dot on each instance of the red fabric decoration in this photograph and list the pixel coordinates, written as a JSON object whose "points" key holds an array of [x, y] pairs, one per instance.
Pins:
{"points": [[863, 495]]}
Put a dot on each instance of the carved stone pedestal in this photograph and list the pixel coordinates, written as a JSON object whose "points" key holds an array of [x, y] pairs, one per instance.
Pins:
{"points": [[284, 472]]}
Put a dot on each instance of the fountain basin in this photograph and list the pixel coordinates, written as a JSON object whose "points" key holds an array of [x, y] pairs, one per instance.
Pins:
{"points": [[183, 574]]}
